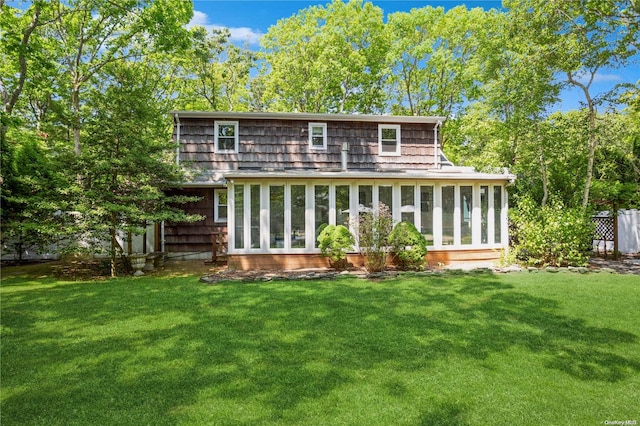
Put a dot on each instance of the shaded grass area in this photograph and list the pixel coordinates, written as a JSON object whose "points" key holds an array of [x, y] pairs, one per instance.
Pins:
{"points": [[469, 349]]}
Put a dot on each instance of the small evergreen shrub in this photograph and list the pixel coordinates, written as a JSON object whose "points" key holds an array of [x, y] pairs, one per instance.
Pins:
{"points": [[334, 242], [409, 246], [552, 235]]}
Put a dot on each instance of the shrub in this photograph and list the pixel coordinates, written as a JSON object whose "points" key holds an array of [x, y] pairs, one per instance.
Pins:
{"points": [[409, 246], [334, 241], [551, 235], [374, 227]]}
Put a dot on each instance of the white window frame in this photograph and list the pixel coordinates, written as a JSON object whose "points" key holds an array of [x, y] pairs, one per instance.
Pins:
{"points": [[217, 149], [216, 205], [310, 184], [395, 153], [324, 136]]}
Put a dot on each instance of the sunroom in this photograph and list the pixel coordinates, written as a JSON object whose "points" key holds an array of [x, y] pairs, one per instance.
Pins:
{"points": [[462, 213]]}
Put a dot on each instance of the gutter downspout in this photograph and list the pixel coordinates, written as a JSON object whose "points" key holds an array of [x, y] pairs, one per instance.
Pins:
{"points": [[345, 151], [436, 153], [177, 121]]}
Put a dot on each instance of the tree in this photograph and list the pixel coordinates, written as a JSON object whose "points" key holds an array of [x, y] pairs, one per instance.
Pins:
{"points": [[588, 38], [214, 72], [433, 58], [326, 59], [127, 161], [89, 34]]}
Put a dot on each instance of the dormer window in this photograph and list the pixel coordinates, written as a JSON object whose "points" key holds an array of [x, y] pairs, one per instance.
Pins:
{"points": [[226, 137], [318, 136], [389, 139]]}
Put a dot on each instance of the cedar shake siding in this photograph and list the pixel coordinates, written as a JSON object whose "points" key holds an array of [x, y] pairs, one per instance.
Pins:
{"points": [[273, 180], [195, 237], [284, 145]]}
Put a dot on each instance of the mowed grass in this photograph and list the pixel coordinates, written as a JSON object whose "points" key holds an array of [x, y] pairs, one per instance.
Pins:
{"points": [[465, 349]]}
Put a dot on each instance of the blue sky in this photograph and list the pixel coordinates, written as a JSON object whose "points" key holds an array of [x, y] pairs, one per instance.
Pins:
{"points": [[249, 19]]}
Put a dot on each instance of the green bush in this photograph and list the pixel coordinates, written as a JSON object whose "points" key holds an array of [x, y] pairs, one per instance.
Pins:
{"points": [[409, 246], [551, 235], [334, 242]]}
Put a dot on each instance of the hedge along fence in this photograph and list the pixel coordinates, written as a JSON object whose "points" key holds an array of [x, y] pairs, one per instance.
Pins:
{"points": [[551, 235]]}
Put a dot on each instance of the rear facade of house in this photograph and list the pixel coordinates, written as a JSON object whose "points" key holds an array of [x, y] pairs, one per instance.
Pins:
{"points": [[269, 181]]}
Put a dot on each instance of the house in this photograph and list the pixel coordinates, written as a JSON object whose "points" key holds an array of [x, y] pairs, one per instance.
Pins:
{"points": [[268, 181]]}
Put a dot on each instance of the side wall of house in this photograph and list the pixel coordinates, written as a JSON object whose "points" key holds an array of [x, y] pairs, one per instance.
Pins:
{"points": [[195, 237], [284, 144]]}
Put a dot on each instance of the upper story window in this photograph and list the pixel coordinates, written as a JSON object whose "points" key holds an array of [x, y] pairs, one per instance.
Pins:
{"points": [[318, 135], [389, 139], [226, 136]]}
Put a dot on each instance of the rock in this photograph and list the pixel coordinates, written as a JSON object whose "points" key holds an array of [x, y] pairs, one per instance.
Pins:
{"points": [[208, 279]]}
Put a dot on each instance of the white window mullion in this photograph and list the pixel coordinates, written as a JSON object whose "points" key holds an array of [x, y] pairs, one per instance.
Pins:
{"points": [[353, 206], [310, 220], [265, 230], [332, 204], [247, 216], [417, 205], [397, 203], [504, 218], [287, 216], [491, 226], [231, 219], [476, 217], [457, 223]]}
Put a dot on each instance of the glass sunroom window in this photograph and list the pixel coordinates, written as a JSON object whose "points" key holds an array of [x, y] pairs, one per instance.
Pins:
{"points": [[255, 216], [385, 196], [426, 213], [365, 197], [321, 197], [466, 208], [497, 214], [298, 215], [448, 209], [342, 205], [407, 204], [238, 211], [484, 214], [276, 216]]}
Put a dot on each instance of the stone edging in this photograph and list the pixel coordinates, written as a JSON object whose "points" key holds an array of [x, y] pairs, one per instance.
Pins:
{"points": [[267, 276]]}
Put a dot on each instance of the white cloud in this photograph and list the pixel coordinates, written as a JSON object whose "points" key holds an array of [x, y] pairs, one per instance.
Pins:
{"points": [[599, 78], [604, 78], [245, 34], [199, 18], [238, 34]]}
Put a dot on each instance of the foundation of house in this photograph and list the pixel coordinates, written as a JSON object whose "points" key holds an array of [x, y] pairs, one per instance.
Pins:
{"points": [[303, 261]]}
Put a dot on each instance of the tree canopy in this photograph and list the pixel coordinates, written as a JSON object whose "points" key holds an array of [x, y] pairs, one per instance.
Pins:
{"points": [[86, 86]]}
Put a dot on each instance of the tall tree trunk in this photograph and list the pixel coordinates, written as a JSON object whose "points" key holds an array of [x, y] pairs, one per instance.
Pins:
{"points": [[593, 143], [593, 140], [9, 99], [75, 125]]}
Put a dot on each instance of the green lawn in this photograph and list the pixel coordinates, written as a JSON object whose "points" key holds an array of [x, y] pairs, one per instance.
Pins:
{"points": [[476, 349]]}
